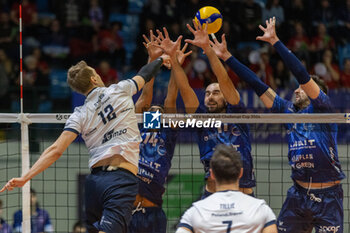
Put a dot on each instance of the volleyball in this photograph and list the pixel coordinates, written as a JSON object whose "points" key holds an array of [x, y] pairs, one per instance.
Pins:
{"points": [[212, 16]]}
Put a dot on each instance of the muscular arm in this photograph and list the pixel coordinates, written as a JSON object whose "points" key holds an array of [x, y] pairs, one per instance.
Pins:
{"points": [[48, 157], [226, 86], [270, 229], [145, 98], [188, 95], [170, 100]]}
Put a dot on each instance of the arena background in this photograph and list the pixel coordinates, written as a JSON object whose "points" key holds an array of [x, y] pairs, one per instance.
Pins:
{"points": [[107, 34]]}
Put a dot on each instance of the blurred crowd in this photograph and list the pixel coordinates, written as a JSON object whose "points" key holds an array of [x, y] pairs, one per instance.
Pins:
{"points": [[107, 34]]}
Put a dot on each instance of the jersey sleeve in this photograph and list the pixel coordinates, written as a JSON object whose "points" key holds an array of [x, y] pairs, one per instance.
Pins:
{"points": [[280, 105], [73, 123], [128, 86], [322, 103], [269, 216], [186, 219]]}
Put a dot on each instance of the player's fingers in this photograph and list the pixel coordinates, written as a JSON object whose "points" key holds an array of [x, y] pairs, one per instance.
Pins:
{"points": [[196, 25], [145, 44], [151, 35], [3, 189], [188, 53], [166, 32], [267, 22], [189, 41], [184, 48], [274, 21], [160, 34], [262, 28], [211, 43], [145, 38], [259, 38], [206, 27], [178, 41], [190, 28]]}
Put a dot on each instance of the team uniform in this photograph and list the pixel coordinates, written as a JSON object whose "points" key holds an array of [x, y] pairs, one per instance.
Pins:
{"points": [[108, 125], [236, 135], [313, 156], [156, 152], [228, 211], [39, 222]]}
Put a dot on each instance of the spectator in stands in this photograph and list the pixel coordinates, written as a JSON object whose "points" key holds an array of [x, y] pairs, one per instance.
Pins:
{"points": [[29, 13], [4, 227], [6, 63], [324, 14], [343, 14], [111, 45], [40, 219], [197, 70], [108, 75], [43, 66], [282, 75], [8, 32], [55, 44], [297, 11], [250, 18], [273, 9], [328, 70], [79, 227], [264, 70], [345, 74], [299, 43], [95, 14], [322, 40]]}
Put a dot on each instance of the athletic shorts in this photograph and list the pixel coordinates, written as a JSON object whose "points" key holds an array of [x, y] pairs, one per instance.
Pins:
{"points": [[109, 198], [303, 210], [148, 220]]}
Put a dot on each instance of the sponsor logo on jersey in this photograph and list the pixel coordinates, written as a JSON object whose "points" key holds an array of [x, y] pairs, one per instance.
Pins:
{"points": [[333, 229], [111, 134]]}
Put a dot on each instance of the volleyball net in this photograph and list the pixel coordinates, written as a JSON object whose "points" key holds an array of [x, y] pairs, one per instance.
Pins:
{"points": [[60, 188]]}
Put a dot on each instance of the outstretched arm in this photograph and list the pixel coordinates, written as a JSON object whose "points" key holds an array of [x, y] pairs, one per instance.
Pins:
{"points": [[266, 94], [292, 62], [171, 48], [48, 157], [146, 96], [201, 40]]}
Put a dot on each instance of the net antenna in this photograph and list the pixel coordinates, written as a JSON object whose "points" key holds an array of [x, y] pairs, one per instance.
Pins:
{"points": [[26, 228]]}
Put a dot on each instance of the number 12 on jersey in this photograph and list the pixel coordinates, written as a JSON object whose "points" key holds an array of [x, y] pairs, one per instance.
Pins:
{"points": [[109, 111], [229, 224]]}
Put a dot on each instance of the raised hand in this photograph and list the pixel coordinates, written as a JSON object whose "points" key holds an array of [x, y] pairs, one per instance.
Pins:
{"points": [[269, 32], [168, 46], [181, 55], [150, 44], [13, 183], [201, 38], [220, 49]]}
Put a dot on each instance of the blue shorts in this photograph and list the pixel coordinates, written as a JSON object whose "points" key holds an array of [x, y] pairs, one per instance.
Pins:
{"points": [[148, 220], [303, 210], [109, 199]]}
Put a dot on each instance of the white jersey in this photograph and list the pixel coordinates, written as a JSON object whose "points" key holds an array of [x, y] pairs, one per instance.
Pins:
{"points": [[107, 122], [228, 211]]}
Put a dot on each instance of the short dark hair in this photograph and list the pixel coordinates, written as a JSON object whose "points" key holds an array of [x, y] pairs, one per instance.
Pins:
{"points": [[322, 85], [226, 164]]}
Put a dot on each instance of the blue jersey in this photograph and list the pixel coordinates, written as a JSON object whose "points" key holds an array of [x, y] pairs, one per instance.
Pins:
{"points": [[40, 221], [313, 153], [156, 152], [236, 135]]}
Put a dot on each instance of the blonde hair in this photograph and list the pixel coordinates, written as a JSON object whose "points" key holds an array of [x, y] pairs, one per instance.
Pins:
{"points": [[78, 77]]}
